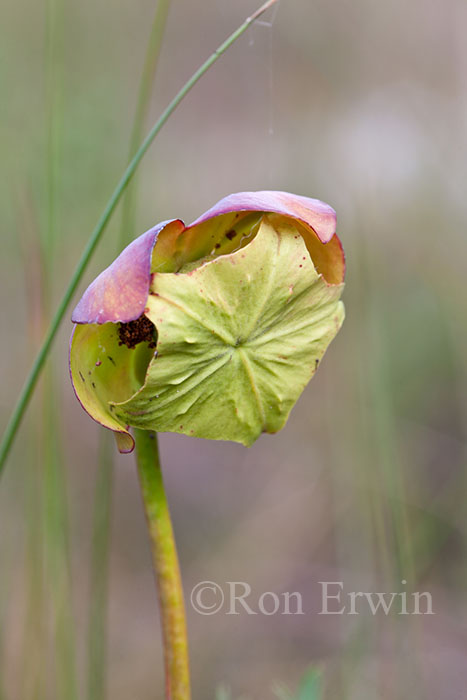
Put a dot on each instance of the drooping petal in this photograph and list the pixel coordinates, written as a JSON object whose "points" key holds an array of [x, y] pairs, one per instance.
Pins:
{"points": [[311, 212], [238, 339], [120, 292], [223, 228]]}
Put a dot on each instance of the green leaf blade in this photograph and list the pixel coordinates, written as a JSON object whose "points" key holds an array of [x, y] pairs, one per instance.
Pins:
{"points": [[239, 338]]}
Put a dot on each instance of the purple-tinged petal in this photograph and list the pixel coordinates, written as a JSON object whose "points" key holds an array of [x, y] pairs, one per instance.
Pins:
{"points": [[105, 372], [120, 292], [311, 212]]}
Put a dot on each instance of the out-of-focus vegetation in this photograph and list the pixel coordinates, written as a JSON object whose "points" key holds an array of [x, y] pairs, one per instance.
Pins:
{"points": [[362, 105]]}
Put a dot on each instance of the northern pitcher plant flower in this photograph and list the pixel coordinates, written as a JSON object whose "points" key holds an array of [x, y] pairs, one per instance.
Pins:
{"points": [[213, 329]]}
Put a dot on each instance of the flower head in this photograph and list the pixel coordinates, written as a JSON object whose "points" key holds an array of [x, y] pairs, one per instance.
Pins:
{"points": [[212, 329]]}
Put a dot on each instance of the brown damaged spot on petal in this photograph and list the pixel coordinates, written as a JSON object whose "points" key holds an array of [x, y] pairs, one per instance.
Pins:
{"points": [[135, 332]]}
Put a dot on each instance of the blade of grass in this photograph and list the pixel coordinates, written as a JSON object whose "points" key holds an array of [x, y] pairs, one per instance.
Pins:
{"points": [[389, 469], [55, 502], [144, 96], [49, 581], [97, 645], [33, 682], [57, 550], [311, 686], [55, 20], [31, 247], [41, 356], [97, 650], [3, 640]]}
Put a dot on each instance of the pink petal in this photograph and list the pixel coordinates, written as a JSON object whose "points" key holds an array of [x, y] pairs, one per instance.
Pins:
{"points": [[120, 292], [312, 212]]}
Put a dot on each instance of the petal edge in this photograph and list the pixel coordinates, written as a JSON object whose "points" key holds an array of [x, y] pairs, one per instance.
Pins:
{"points": [[313, 212], [120, 292]]}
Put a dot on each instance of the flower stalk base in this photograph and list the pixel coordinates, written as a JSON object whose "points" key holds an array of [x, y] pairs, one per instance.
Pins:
{"points": [[165, 560]]}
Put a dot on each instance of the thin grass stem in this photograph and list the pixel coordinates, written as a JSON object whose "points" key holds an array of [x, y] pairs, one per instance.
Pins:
{"points": [[144, 95], [97, 648], [28, 388]]}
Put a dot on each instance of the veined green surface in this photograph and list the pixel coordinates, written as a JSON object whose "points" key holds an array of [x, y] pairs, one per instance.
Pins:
{"points": [[379, 140], [238, 339]]}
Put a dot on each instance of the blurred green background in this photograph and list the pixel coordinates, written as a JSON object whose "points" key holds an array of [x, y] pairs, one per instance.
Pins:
{"points": [[363, 105]]}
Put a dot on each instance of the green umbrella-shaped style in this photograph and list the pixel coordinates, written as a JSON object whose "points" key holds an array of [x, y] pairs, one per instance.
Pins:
{"points": [[213, 329]]}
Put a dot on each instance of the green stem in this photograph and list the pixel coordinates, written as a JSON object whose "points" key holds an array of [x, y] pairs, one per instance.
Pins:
{"points": [[41, 356], [165, 560]]}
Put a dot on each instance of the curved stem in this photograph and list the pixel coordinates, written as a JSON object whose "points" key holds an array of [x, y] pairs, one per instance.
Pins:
{"points": [[33, 376], [165, 560]]}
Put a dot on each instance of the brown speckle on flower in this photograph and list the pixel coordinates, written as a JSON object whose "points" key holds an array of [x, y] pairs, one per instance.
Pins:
{"points": [[135, 332]]}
